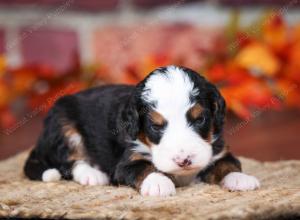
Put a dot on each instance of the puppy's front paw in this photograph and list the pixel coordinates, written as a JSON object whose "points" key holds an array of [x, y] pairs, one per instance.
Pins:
{"points": [[236, 181], [156, 184], [51, 175], [87, 175]]}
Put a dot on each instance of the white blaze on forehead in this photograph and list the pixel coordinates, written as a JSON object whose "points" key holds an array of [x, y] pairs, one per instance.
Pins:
{"points": [[170, 90]]}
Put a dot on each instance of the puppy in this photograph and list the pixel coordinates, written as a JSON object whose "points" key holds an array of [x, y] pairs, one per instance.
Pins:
{"points": [[165, 132]]}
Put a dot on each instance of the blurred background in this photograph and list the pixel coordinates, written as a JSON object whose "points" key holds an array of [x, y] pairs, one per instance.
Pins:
{"points": [[249, 48]]}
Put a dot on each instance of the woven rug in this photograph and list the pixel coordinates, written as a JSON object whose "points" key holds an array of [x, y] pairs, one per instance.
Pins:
{"points": [[279, 197]]}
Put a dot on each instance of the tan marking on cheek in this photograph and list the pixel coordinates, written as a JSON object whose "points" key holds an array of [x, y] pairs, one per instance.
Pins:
{"points": [[136, 156], [144, 139], [196, 111], [157, 118]]}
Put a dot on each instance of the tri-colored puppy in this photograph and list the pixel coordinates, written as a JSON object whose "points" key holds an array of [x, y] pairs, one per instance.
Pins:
{"points": [[164, 132]]}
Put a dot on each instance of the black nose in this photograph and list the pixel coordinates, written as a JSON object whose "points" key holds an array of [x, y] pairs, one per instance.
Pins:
{"points": [[184, 163]]}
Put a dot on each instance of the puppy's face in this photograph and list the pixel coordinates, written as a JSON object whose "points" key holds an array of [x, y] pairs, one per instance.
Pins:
{"points": [[177, 120]]}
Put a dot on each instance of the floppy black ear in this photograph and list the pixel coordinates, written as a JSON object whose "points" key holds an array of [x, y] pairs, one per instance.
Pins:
{"points": [[130, 118], [219, 110], [217, 101]]}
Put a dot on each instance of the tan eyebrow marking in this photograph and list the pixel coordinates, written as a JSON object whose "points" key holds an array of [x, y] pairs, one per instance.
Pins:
{"points": [[196, 111], [157, 118]]}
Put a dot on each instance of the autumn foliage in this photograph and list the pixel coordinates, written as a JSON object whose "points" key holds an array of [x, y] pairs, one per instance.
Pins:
{"points": [[255, 67]]}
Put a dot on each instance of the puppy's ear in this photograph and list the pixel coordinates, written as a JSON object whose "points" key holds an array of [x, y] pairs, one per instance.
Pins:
{"points": [[130, 118], [219, 110]]}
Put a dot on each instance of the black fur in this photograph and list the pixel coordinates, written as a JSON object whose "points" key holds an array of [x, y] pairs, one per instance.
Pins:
{"points": [[128, 171], [108, 118], [220, 168], [98, 115]]}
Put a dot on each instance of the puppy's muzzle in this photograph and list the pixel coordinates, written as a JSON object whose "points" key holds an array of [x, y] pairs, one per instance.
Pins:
{"points": [[183, 162]]}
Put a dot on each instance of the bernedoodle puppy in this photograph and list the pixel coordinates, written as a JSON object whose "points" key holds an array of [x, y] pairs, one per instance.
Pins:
{"points": [[166, 131]]}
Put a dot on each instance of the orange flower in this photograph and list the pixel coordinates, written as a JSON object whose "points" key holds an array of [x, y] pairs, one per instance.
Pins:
{"points": [[152, 62], [4, 94], [2, 65], [257, 58], [275, 32], [296, 33], [289, 92], [233, 103], [217, 72], [22, 83], [41, 103]]}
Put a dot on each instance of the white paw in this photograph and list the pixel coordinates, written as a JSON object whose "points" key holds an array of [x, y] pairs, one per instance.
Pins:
{"points": [[237, 181], [156, 184], [51, 175], [84, 174]]}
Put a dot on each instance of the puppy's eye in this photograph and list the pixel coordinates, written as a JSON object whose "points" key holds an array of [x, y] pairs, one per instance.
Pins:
{"points": [[157, 127], [200, 120]]}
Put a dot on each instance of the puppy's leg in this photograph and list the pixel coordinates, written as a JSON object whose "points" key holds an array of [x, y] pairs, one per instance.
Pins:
{"points": [[227, 172], [137, 172], [49, 164], [82, 171], [62, 155], [85, 174], [35, 166]]}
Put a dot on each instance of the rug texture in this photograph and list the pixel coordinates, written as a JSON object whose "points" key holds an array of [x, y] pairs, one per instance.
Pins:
{"points": [[279, 197]]}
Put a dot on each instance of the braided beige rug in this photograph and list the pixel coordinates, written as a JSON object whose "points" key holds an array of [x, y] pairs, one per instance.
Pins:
{"points": [[279, 197]]}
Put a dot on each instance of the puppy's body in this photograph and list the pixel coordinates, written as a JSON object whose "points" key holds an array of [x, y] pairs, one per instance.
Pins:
{"points": [[83, 127], [165, 131]]}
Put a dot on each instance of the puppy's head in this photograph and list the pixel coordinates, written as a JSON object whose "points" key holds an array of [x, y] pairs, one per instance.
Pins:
{"points": [[179, 117]]}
